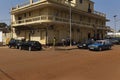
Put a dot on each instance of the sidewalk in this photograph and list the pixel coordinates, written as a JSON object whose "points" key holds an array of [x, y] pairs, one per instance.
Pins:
{"points": [[61, 48]]}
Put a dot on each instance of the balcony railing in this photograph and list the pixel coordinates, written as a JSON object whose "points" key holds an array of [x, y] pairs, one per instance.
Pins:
{"points": [[25, 4], [99, 13], [51, 18]]}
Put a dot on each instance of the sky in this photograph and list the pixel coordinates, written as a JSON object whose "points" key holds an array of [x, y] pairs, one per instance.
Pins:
{"points": [[109, 7]]}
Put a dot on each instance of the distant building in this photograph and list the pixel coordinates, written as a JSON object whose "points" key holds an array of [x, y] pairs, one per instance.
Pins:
{"points": [[5, 35], [110, 29], [113, 34], [42, 20]]}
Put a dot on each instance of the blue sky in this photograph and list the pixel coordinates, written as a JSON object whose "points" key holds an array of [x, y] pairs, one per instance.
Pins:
{"points": [[110, 7]]}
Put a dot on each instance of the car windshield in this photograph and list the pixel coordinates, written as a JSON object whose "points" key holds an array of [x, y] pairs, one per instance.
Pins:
{"points": [[99, 42]]}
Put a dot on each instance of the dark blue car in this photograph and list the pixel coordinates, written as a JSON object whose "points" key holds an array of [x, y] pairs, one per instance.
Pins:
{"points": [[100, 45], [13, 43], [30, 45]]}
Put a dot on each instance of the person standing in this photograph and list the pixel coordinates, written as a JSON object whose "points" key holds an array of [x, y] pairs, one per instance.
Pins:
{"points": [[54, 42]]}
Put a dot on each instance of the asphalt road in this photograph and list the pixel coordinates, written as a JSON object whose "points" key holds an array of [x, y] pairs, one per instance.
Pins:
{"points": [[53, 64]]}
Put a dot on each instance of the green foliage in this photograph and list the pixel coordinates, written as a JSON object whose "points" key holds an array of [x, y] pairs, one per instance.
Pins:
{"points": [[3, 25]]}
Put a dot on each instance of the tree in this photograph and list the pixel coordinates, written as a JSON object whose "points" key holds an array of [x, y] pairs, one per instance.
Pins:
{"points": [[4, 27]]}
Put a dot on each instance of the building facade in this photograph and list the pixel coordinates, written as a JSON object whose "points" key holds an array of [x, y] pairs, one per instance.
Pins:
{"points": [[42, 20]]}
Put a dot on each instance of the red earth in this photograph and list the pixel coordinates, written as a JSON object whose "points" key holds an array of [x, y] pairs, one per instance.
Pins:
{"points": [[50, 64]]}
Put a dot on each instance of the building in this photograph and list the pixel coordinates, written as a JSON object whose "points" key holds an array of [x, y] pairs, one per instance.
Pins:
{"points": [[5, 34], [42, 20]]}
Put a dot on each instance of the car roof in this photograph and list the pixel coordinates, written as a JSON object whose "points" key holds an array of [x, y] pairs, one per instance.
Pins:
{"points": [[101, 40]]}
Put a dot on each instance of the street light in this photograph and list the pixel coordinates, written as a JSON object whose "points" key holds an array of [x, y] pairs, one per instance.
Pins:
{"points": [[115, 23], [70, 23]]}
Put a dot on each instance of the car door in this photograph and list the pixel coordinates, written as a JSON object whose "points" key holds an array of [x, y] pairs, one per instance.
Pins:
{"points": [[104, 45]]}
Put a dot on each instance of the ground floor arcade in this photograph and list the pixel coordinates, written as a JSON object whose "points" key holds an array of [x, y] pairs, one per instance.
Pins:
{"points": [[46, 33]]}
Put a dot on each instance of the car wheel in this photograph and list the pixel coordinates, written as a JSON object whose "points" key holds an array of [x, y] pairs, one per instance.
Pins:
{"points": [[100, 49], [20, 48], [30, 49]]}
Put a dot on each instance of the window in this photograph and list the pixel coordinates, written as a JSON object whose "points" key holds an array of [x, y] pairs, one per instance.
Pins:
{"points": [[81, 1], [89, 6], [56, 13], [96, 22], [29, 13], [80, 18], [25, 15], [42, 35], [89, 20]]}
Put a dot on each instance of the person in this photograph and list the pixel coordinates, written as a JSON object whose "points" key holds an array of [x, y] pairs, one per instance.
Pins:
{"points": [[67, 41], [63, 41], [54, 41]]}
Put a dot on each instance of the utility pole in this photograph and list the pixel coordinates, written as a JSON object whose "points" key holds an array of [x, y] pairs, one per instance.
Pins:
{"points": [[70, 23]]}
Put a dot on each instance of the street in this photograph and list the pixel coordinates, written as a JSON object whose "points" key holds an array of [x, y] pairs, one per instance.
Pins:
{"points": [[50, 64]]}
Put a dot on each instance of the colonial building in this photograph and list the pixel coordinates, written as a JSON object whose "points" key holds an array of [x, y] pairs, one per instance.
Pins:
{"points": [[42, 20]]}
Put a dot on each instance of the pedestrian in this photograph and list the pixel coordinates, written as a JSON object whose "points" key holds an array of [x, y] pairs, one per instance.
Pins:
{"points": [[63, 42], [54, 41]]}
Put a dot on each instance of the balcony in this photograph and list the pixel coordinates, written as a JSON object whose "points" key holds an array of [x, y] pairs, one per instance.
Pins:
{"points": [[26, 3], [102, 28], [99, 13], [51, 19]]}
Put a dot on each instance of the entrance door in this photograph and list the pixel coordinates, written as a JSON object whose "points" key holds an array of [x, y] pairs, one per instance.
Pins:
{"points": [[27, 35], [89, 35], [43, 36]]}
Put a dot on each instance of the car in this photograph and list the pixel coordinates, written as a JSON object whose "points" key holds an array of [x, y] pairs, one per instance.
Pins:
{"points": [[84, 44], [20, 43], [13, 43], [100, 45], [30, 45], [114, 40]]}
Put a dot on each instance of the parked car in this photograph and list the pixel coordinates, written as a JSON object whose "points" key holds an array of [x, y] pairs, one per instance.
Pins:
{"points": [[100, 45], [114, 40], [20, 43], [13, 43], [30, 45], [84, 44]]}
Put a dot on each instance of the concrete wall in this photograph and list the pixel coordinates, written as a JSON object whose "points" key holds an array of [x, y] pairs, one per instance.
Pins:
{"points": [[84, 5], [6, 38]]}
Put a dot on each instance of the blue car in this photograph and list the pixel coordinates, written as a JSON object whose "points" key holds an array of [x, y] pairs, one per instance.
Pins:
{"points": [[100, 45]]}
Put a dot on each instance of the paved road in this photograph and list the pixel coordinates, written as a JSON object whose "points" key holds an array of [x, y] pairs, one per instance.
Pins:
{"points": [[53, 64]]}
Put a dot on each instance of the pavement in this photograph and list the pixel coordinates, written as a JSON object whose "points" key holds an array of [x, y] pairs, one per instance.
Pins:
{"points": [[60, 48]]}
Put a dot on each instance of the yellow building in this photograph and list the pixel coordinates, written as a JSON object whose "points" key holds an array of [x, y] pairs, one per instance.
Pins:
{"points": [[42, 20]]}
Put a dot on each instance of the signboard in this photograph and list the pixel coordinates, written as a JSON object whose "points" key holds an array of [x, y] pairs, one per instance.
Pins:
{"points": [[0, 36]]}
